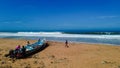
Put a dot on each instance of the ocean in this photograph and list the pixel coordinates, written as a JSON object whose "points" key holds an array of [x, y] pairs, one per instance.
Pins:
{"points": [[80, 37]]}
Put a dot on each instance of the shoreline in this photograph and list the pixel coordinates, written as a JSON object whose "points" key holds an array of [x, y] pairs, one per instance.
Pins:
{"points": [[68, 41], [86, 43]]}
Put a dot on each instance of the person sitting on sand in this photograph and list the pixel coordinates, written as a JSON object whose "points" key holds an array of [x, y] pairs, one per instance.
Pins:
{"points": [[28, 43], [66, 44], [16, 51], [18, 47]]}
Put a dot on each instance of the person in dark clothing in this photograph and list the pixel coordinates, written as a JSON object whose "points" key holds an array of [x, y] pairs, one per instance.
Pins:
{"points": [[66, 44], [23, 51]]}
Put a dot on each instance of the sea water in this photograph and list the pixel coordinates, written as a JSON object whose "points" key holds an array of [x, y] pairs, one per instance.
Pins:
{"points": [[94, 37]]}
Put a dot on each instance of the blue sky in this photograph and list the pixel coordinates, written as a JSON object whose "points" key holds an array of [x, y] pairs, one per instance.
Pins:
{"points": [[59, 14]]}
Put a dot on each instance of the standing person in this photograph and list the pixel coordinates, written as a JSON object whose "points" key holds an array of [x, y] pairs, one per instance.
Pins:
{"points": [[66, 44], [23, 51]]}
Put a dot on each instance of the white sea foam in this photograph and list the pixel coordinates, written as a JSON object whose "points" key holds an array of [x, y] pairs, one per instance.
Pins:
{"points": [[39, 33], [59, 34]]}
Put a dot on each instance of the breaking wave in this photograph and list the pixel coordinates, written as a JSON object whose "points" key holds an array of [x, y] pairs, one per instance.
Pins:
{"points": [[59, 34]]}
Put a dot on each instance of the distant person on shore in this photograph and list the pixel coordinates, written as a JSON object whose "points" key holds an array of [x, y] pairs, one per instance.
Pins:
{"points": [[66, 44]]}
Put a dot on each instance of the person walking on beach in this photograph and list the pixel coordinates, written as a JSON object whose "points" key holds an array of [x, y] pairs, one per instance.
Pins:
{"points": [[66, 44]]}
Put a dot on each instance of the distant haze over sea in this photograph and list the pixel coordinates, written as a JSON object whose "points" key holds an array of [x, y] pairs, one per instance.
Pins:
{"points": [[63, 30]]}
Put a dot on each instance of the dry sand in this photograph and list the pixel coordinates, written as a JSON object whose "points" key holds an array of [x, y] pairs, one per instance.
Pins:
{"points": [[56, 55]]}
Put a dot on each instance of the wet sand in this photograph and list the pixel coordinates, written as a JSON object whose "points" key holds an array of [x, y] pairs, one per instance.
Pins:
{"points": [[56, 55]]}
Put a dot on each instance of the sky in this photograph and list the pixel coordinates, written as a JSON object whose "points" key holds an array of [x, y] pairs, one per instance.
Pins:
{"points": [[59, 15]]}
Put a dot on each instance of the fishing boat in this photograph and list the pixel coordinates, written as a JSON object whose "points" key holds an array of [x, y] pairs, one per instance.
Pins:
{"points": [[30, 49], [35, 47]]}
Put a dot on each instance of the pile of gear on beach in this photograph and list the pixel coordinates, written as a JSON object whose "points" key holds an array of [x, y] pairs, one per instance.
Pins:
{"points": [[17, 53]]}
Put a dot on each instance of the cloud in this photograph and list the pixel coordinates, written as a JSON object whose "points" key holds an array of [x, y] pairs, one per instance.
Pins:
{"points": [[11, 22], [104, 17]]}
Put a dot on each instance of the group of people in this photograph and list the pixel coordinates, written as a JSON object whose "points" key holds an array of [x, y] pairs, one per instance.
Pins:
{"points": [[18, 52]]}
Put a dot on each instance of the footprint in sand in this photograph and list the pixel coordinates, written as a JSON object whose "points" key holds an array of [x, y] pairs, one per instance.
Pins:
{"points": [[51, 57], [62, 60], [27, 66], [35, 62], [36, 56], [42, 64]]}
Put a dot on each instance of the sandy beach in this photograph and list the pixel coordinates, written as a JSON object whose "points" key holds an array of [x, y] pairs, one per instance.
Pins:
{"points": [[56, 55]]}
